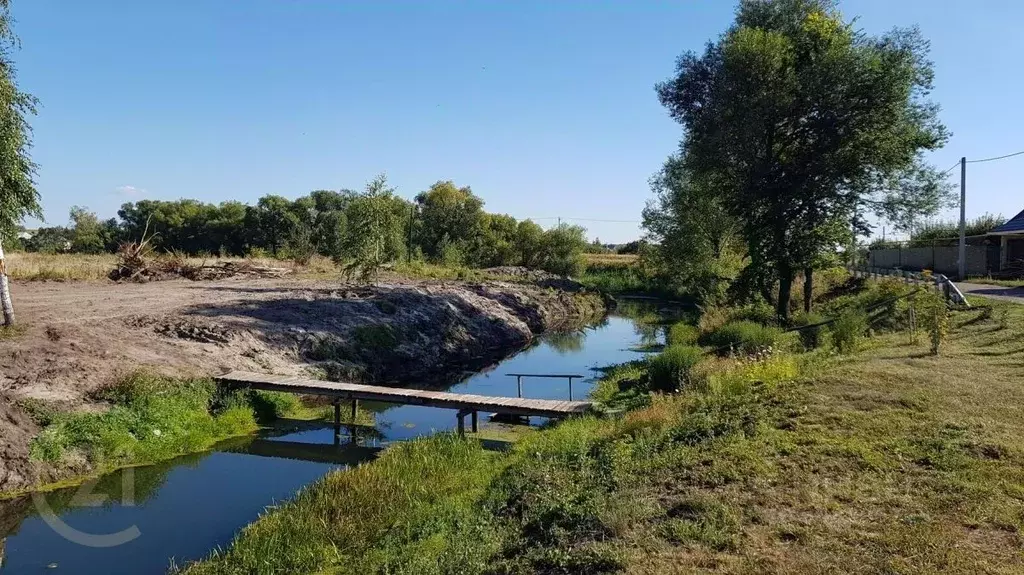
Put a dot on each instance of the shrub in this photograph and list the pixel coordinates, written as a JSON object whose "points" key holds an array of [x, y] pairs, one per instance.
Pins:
{"points": [[810, 337], [671, 369], [934, 315], [760, 312], [848, 329], [712, 318], [682, 333], [270, 405], [745, 337]]}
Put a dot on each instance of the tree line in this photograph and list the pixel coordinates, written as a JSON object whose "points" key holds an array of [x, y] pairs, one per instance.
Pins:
{"points": [[444, 224], [797, 127]]}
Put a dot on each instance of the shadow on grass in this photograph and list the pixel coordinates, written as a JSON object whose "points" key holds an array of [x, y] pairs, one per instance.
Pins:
{"points": [[998, 353]]}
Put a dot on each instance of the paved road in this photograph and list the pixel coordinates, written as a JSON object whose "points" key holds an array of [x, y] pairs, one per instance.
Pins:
{"points": [[1015, 295]]}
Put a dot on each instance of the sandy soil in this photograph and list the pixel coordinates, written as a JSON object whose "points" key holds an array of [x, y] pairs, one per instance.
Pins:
{"points": [[82, 335]]}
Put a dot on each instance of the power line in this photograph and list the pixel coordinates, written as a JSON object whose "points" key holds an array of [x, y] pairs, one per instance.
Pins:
{"points": [[589, 220], [951, 168], [996, 158]]}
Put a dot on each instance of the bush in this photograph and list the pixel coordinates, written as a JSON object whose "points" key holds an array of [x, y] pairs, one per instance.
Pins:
{"points": [[682, 333], [671, 369], [760, 312], [848, 329], [712, 318], [745, 337], [812, 337]]}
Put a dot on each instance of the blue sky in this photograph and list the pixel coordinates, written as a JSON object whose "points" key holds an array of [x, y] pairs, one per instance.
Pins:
{"points": [[546, 109]]}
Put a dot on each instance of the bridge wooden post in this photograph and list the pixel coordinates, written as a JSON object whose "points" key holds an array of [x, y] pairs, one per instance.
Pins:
{"points": [[461, 418], [337, 418], [570, 388], [519, 386], [474, 422]]}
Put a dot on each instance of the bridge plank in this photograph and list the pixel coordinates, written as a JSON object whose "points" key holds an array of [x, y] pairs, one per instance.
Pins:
{"points": [[509, 405]]}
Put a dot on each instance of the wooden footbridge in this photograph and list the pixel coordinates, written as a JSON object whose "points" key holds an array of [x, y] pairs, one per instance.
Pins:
{"points": [[465, 404]]}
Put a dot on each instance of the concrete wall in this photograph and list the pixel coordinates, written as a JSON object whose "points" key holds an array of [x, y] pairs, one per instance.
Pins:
{"points": [[940, 259]]}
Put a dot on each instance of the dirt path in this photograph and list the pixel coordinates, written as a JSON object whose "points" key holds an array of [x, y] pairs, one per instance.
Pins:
{"points": [[79, 336]]}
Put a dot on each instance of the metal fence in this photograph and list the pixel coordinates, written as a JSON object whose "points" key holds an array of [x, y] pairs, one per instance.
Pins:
{"points": [[939, 282]]}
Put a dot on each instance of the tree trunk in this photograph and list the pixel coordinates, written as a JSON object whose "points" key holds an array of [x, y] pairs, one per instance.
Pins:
{"points": [[808, 289], [785, 292], [5, 291]]}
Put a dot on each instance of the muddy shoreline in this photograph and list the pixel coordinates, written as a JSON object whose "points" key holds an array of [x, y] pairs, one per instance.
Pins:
{"points": [[80, 336]]}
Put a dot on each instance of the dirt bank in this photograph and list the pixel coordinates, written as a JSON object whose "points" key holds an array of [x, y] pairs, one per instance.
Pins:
{"points": [[80, 336]]}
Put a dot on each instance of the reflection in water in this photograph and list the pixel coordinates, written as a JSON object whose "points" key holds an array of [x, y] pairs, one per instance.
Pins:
{"points": [[183, 507], [190, 505], [566, 341]]}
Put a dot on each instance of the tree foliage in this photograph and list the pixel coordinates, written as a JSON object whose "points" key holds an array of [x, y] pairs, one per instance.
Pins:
{"points": [[18, 195], [374, 235], [694, 238], [802, 123]]}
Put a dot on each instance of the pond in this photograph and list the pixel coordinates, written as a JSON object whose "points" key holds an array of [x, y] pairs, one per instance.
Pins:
{"points": [[145, 519]]}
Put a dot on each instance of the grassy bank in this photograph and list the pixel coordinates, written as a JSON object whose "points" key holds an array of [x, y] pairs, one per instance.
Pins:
{"points": [[144, 419], [886, 459]]}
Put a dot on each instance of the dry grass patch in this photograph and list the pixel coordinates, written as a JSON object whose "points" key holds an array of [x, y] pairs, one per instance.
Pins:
{"points": [[610, 259], [69, 267], [890, 461]]}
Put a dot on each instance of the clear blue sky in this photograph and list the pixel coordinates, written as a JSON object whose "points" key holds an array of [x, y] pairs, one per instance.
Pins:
{"points": [[545, 108]]}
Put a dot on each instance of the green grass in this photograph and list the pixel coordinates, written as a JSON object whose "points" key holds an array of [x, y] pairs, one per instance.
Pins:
{"points": [[682, 333], [616, 279], [995, 282], [150, 419], [414, 510]]}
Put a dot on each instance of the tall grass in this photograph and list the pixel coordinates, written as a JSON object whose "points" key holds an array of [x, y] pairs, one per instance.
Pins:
{"points": [[744, 337], [413, 510], [151, 418], [672, 369], [38, 266]]}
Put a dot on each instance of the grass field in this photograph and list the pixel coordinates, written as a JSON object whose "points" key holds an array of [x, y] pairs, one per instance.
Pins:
{"points": [[620, 260]]}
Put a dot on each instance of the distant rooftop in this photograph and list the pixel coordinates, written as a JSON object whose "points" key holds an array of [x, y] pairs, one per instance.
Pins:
{"points": [[1014, 226]]}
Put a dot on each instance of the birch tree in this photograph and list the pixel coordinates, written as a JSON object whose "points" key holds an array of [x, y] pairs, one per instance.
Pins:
{"points": [[18, 195]]}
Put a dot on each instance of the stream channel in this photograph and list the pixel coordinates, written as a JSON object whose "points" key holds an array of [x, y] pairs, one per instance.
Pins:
{"points": [[144, 519]]}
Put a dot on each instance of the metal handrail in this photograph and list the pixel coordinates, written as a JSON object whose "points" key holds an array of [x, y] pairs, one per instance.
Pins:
{"points": [[519, 379]]}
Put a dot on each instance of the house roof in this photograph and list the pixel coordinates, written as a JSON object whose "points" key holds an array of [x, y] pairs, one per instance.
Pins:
{"points": [[1014, 226]]}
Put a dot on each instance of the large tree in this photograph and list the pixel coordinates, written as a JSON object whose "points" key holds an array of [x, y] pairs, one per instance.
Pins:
{"points": [[449, 217], [18, 195], [803, 121]]}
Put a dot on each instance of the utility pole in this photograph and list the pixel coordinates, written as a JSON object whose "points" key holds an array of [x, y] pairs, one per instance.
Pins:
{"points": [[963, 219]]}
